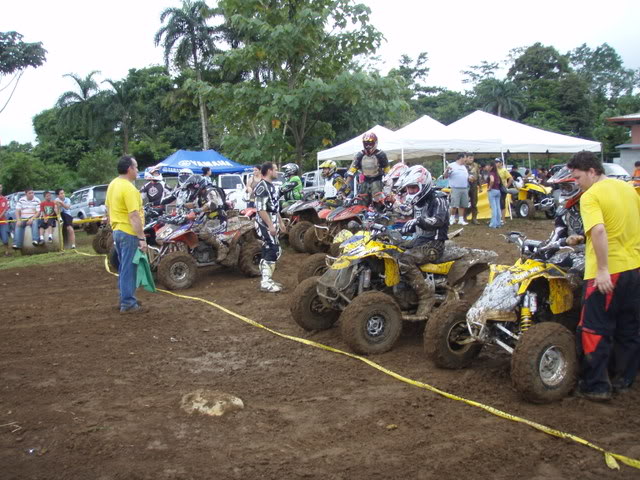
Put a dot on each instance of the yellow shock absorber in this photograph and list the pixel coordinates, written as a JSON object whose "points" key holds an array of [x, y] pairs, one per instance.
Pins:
{"points": [[525, 319]]}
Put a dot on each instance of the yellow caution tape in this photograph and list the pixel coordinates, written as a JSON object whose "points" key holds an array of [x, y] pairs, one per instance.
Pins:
{"points": [[76, 221], [611, 458]]}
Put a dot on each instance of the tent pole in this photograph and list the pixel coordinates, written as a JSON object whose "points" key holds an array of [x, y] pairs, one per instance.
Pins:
{"points": [[529, 160], [402, 155]]}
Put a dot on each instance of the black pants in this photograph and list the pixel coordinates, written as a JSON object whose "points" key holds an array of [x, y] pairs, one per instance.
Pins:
{"points": [[608, 337], [473, 199], [270, 244]]}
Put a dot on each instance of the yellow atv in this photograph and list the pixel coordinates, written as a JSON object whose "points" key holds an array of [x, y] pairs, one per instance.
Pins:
{"points": [[530, 309], [365, 289], [531, 197]]}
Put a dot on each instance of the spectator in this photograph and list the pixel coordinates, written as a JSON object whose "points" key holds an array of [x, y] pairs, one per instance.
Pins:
{"points": [[252, 182], [609, 327], [636, 174], [206, 173], [527, 175], [64, 205], [507, 181], [494, 183], [124, 208], [543, 175], [27, 212], [515, 173], [474, 181], [458, 176], [4, 225], [48, 214]]}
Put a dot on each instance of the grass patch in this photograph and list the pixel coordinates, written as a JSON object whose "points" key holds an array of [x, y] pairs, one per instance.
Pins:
{"points": [[17, 260]]}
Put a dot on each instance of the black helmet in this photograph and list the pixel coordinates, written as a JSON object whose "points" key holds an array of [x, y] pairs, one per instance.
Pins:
{"points": [[290, 169], [195, 182]]}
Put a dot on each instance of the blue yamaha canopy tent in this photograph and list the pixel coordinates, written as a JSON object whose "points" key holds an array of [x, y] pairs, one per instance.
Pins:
{"points": [[196, 160]]}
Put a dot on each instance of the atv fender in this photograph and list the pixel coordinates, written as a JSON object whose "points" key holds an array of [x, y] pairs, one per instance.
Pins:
{"points": [[471, 264]]}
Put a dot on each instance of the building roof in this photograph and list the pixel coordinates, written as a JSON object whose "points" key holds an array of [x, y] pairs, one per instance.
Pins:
{"points": [[631, 119], [628, 146]]}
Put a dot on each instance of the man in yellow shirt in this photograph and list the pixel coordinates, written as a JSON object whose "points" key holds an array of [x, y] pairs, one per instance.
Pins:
{"points": [[608, 339], [124, 208], [507, 181]]}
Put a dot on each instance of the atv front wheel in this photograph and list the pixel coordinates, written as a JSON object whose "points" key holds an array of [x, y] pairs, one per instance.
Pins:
{"points": [[314, 266], [371, 323], [311, 242], [249, 259], [296, 235], [447, 341], [177, 270], [307, 308], [102, 241], [544, 364], [525, 209], [91, 228]]}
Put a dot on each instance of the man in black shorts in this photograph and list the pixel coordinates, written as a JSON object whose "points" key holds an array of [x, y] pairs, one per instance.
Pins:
{"points": [[67, 220]]}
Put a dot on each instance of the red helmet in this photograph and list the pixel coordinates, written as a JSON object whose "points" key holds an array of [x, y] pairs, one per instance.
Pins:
{"points": [[370, 142]]}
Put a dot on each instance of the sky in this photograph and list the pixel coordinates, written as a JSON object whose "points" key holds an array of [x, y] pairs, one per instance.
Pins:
{"points": [[112, 37]]}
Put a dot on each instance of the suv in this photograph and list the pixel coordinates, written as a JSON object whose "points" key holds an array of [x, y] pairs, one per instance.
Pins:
{"points": [[88, 202]]}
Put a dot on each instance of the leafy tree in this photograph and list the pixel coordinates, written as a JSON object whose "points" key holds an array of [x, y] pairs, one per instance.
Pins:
{"points": [[188, 42], [78, 108], [97, 167], [58, 142], [15, 57], [120, 103], [538, 62], [413, 73], [444, 105], [501, 97], [289, 83], [478, 73]]}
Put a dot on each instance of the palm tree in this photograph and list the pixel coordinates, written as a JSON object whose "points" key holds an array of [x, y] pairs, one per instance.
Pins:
{"points": [[77, 107], [501, 97], [188, 42], [120, 102]]}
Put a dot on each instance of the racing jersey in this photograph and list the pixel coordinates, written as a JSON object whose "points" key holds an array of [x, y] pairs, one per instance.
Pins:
{"points": [[373, 167], [433, 220], [153, 191], [332, 185], [267, 200], [292, 189]]}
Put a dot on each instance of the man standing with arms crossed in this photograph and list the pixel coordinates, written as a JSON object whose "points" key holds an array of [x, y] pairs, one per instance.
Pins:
{"points": [[124, 209], [268, 226], [609, 327]]}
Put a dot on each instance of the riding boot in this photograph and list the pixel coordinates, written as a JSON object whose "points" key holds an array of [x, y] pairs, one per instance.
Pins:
{"points": [[424, 290], [267, 284], [221, 248]]}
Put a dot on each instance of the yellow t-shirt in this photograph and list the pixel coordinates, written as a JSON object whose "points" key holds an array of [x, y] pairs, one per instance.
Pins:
{"points": [[122, 199], [504, 176], [616, 205]]}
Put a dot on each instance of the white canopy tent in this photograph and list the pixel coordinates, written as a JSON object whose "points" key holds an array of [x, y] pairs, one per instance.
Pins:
{"points": [[346, 150], [516, 137]]}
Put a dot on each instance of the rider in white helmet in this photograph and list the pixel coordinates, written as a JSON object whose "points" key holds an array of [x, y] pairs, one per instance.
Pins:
{"points": [[430, 223], [153, 190]]}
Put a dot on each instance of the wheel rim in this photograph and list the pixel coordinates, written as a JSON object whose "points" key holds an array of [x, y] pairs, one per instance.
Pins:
{"points": [[316, 306], [552, 367], [179, 271], [524, 210], [376, 326], [457, 334]]}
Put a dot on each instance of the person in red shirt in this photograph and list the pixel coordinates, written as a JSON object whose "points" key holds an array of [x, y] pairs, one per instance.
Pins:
{"points": [[4, 225], [48, 214]]}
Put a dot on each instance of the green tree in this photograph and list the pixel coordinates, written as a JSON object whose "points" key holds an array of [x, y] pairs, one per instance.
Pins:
{"points": [[538, 62], [78, 108], [120, 103], [188, 42], [97, 167], [502, 97], [15, 57]]}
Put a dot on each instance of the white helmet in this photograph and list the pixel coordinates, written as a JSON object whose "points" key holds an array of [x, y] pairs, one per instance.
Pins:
{"points": [[569, 189], [391, 178], [418, 176], [152, 173], [183, 175]]}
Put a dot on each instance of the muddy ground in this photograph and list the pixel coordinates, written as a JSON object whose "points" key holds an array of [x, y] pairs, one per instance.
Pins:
{"points": [[90, 394]]}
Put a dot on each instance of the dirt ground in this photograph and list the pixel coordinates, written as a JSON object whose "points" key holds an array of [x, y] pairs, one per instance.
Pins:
{"points": [[88, 393]]}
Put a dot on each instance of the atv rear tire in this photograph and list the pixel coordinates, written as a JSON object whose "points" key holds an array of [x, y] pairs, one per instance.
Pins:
{"points": [[525, 209], [307, 308], [102, 241], [177, 270], [371, 323], [544, 365], [444, 333], [311, 242], [296, 235], [249, 259], [314, 266]]}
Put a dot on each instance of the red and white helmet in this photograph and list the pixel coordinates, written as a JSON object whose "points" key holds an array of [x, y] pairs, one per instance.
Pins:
{"points": [[570, 191], [391, 178], [370, 143], [417, 176]]}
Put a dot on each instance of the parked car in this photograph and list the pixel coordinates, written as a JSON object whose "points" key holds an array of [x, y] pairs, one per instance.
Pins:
{"points": [[88, 202], [614, 170], [313, 183]]}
